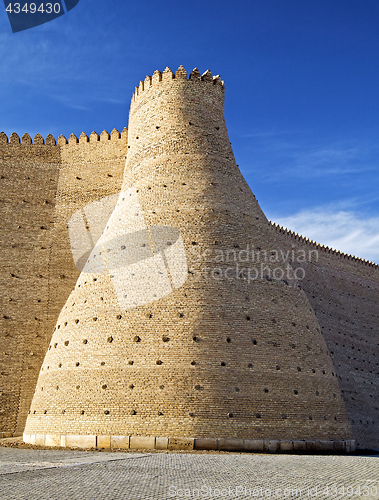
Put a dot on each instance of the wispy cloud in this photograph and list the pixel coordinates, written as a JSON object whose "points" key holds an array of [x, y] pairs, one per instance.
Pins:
{"points": [[347, 231], [298, 157]]}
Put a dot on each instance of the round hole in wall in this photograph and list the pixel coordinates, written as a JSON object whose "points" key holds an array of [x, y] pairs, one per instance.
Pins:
{"points": [[296, 392], [118, 316], [66, 342], [136, 338], [85, 341], [161, 387], [110, 339], [106, 412], [277, 367], [130, 362], [223, 363], [78, 386], [94, 319], [228, 340], [159, 362], [230, 415], [102, 363], [193, 363], [165, 339], [104, 386], [82, 412], [77, 364], [76, 321], [254, 342], [131, 386]]}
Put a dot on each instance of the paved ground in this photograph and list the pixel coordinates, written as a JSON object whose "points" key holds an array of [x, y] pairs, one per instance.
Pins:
{"points": [[31, 474]]}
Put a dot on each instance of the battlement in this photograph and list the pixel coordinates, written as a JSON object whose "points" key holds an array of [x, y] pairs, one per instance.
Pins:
{"points": [[26, 140], [167, 77], [324, 248]]}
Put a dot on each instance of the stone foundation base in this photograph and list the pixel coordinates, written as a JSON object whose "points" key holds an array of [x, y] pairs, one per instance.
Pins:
{"points": [[169, 443]]}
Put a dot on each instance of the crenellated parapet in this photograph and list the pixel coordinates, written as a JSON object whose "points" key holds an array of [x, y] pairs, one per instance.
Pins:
{"points": [[26, 140], [104, 137], [319, 246], [167, 77]]}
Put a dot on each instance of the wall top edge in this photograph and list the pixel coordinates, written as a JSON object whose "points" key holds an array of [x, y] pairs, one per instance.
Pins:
{"points": [[319, 246], [26, 140], [168, 76]]}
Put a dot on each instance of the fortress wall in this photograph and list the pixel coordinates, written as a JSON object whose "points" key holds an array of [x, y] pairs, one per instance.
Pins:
{"points": [[344, 293], [213, 358], [39, 193], [29, 178]]}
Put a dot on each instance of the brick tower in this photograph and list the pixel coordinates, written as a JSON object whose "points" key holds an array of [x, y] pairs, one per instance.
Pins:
{"points": [[146, 353]]}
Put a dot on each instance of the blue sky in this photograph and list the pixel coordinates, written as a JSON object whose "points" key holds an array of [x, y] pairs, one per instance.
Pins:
{"points": [[301, 101]]}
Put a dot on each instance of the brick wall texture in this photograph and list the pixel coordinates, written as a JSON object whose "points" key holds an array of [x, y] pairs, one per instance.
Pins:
{"points": [[344, 293], [42, 184], [226, 354]]}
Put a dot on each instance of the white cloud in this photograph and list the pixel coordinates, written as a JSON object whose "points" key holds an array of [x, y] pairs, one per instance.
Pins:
{"points": [[346, 231]]}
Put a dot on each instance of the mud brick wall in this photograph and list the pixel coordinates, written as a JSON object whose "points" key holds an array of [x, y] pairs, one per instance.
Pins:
{"points": [[39, 192], [215, 358], [344, 293]]}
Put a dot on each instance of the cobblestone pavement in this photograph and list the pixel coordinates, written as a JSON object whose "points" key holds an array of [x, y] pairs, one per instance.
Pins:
{"points": [[28, 474]]}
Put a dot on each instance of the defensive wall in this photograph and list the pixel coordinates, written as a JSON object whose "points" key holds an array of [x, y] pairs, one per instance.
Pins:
{"points": [[42, 184], [344, 293], [213, 360], [264, 335]]}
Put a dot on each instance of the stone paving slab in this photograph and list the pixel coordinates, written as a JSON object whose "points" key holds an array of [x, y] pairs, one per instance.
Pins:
{"points": [[29, 460], [62, 474]]}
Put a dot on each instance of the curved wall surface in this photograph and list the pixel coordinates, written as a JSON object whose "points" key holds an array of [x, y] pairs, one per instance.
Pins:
{"points": [[204, 350], [344, 293]]}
